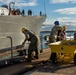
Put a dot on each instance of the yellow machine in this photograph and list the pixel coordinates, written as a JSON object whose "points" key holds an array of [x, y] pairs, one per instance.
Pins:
{"points": [[64, 51]]}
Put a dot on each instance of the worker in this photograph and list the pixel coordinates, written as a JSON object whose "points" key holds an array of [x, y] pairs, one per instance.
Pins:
{"points": [[64, 28], [60, 35], [33, 43], [53, 33]]}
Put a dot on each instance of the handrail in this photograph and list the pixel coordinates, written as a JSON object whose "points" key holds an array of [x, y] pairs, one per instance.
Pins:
{"points": [[11, 46]]}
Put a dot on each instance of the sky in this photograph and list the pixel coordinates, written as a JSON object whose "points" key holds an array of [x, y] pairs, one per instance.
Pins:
{"points": [[63, 11]]}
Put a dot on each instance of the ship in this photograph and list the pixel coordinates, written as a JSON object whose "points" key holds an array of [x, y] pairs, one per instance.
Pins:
{"points": [[11, 24]]}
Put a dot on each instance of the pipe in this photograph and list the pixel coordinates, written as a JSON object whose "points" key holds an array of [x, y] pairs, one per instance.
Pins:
{"points": [[11, 48]]}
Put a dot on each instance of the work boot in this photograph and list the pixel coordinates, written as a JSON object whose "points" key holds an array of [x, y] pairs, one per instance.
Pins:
{"points": [[36, 57], [28, 60]]}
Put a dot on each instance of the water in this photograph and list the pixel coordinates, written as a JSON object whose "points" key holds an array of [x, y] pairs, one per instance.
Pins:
{"points": [[70, 34], [42, 37]]}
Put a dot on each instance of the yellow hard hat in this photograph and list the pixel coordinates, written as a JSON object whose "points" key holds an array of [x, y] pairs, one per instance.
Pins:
{"points": [[64, 27], [23, 29]]}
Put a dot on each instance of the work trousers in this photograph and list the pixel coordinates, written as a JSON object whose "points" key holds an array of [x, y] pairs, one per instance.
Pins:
{"points": [[33, 46]]}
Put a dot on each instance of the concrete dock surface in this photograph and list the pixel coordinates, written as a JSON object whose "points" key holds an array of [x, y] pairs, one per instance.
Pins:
{"points": [[42, 73], [51, 70], [54, 69]]}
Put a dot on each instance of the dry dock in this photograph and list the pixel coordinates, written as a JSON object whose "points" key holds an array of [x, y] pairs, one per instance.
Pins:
{"points": [[42, 66]]}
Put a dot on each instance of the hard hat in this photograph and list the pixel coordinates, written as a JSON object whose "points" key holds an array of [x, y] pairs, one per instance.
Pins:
{"points": [[23, 29], [56, 22], [64, 27]]}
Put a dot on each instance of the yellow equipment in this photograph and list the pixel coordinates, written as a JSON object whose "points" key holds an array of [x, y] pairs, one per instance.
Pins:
{"points": [[63, 51]]}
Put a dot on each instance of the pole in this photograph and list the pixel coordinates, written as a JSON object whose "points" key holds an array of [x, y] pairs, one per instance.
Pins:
{"points": [[44, 9], [41, 44], [10, 6]]}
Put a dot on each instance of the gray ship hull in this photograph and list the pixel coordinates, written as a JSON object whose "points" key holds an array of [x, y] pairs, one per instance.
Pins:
{"points": [[12, 25]]}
